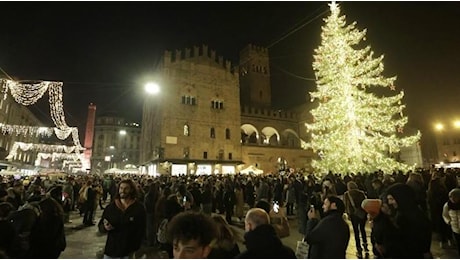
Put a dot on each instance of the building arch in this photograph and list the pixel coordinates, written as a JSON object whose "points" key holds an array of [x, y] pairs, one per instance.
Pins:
{"points": [[249, 134], [271, 136], [290, 138]]}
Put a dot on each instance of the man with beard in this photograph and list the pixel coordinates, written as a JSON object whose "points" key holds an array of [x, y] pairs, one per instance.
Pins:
{"points": [[328, 237], [125, 221], [412, 225]]}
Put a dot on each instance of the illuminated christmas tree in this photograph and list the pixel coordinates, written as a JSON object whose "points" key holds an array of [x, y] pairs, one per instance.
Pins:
{"points": [[353, 129]]}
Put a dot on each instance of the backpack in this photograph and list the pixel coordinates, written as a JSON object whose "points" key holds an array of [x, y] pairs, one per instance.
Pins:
{"points": [[161, 233], [24, 220]]}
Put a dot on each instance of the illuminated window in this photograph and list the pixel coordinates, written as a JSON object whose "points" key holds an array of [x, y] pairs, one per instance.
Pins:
{"points": [[186, 130]]}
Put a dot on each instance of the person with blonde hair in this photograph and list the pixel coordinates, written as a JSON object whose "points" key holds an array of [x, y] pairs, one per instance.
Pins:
{"points": [[225, 246]]}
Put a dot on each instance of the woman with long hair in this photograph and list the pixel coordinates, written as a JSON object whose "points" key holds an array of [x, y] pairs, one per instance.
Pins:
{"points": [[47, 239], [225, 246]]}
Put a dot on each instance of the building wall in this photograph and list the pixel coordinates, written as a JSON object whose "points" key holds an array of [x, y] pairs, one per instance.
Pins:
{"points": [[12, 113], [202, 92], [122, 149], [448, 145], [199, 92], [254, 76], [268, 158], [412, 155]]}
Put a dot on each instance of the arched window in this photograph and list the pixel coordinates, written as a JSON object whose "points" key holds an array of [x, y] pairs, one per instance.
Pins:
{"points": [[227, 133]]}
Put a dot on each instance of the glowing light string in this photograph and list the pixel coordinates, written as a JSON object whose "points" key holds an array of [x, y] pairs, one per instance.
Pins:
{"points": [[42, 148], [28, 94]]}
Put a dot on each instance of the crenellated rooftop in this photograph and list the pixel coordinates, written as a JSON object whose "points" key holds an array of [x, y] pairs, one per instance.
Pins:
{"points": [[203, 51]]}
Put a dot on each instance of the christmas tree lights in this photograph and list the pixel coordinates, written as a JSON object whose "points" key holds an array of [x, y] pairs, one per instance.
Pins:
{"points": [[353, 130]]}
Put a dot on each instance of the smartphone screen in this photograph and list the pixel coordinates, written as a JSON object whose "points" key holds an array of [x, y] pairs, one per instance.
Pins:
{"points": [[276, 207]]}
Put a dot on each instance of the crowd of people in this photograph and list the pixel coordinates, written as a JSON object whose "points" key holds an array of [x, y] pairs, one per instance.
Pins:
{"points": [[192, 216]]}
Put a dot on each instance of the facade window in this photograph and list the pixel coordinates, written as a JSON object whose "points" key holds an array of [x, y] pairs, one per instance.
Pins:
{"points": [[188, 100], [227, 133], [221, 154], [186, 152], [260, 94], [446, 141], [454, 153], [213, 132], [186, 130], [205, 155], [217, 104], [230, 157]]}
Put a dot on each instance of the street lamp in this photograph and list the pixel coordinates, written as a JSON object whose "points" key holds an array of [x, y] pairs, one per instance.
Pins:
{"points": [[152, 88], [457, 123], [439, 127]]}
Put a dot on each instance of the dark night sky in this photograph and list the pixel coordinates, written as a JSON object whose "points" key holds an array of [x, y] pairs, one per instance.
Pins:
{"points": [[104, 51]]}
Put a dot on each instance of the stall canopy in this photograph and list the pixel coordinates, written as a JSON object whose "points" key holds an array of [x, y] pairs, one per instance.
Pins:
{"points": [[122, 171], [251, 170]]}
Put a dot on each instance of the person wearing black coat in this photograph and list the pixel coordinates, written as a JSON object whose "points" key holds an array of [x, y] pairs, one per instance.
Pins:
{"points": [[124, 221], [47, 239], [328, 237], [261, 238], [412, 224]]}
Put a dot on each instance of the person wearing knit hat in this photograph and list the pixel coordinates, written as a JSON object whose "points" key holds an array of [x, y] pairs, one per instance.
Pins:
{"points": [[412, 223], [451, 214], [385, 239], [372, 207]]}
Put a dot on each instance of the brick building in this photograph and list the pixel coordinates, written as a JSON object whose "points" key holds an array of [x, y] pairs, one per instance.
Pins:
{"points": [[212, 117]]}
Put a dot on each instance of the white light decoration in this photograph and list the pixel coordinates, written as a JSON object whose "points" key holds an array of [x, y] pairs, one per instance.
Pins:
{"points": [[59, 156], [26, 93], [29, 93], [26, 130], [43, 148], [353, 130]]}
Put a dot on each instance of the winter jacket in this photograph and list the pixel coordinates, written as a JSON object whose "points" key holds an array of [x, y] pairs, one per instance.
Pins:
{"points": [[328, 237], [357, 196], [262, 242], [129, 228], [413, 225], [452, 217]]}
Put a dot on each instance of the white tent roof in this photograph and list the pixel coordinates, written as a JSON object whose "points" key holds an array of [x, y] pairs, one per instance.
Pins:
{"points": [[252, 169], [112, 170]]}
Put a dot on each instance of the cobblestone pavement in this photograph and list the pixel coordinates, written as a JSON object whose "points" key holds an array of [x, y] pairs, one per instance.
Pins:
{"points": [[86, 243]]}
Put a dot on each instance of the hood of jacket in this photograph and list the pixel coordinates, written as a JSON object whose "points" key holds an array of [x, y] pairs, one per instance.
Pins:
{"points": [[404, 196], [262, 238]]}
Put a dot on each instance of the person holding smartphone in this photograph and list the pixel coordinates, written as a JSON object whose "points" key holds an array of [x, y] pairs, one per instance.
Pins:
{"points": [[277, 218], [124, 221]]}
